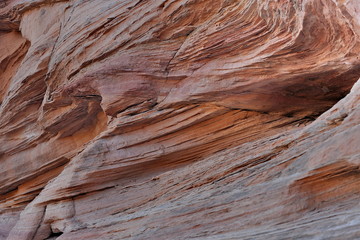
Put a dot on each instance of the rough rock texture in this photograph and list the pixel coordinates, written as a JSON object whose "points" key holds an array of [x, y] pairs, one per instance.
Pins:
{"points": [[179, 119]]}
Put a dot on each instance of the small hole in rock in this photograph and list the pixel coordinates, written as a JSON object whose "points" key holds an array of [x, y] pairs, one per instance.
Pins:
{"points": [[54, 235]]}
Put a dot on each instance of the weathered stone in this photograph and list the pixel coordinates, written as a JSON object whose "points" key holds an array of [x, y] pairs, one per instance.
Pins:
{"points": [[179, 119]]}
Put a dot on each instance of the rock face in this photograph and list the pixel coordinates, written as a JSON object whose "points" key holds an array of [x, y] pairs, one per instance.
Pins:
{"points": [[179, 119]]}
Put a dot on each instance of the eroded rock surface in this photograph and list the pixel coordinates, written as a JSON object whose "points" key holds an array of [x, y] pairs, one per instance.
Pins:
{"points": [[179, 119]]}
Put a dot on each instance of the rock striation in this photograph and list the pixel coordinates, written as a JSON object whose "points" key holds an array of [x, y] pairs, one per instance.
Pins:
{"points": [[179, 119]]}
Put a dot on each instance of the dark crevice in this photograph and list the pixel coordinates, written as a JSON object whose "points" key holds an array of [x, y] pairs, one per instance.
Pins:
{"points": [[42, 220], [89, 96], [54, 235]]}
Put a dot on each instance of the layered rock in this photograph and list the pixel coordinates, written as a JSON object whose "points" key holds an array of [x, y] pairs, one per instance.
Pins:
{"points": [[179, 119]]}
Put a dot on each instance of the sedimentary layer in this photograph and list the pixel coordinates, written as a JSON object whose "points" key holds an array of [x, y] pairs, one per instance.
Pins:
{"points": [[179, 119]]}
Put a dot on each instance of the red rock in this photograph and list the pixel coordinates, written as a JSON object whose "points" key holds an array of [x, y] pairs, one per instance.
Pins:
{"points": [[179, 119]]}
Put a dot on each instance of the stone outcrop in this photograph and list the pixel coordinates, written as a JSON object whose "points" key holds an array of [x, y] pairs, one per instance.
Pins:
{"points": [[179, 119]]}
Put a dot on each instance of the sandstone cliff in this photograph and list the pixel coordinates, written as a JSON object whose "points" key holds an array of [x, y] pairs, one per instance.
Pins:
{"points": [[179, 119]]}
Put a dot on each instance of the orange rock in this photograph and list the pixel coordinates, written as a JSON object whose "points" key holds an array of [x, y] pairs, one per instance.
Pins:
{"points": [[179, 119]]}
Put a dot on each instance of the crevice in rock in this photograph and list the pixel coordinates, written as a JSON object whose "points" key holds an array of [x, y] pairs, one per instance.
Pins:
{"points": [[54, 235], [167, 70], [39, 224]]}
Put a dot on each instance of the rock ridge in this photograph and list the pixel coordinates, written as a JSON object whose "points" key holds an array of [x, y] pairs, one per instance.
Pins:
{"points": [[179, 119]]}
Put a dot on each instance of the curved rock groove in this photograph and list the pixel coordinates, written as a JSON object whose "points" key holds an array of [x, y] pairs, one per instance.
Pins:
{"points": [[179, 119]]}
